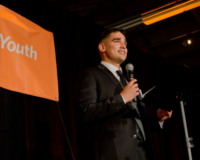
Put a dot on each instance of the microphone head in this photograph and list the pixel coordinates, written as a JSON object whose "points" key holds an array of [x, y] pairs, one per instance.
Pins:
{"points": [[129, 67]]}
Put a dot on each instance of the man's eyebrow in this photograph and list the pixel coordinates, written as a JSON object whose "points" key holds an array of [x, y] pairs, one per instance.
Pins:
{"points": [[116, 39], [119, 39]]}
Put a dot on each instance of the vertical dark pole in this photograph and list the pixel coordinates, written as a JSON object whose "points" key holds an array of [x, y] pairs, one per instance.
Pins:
{"points": [[26, 123]]}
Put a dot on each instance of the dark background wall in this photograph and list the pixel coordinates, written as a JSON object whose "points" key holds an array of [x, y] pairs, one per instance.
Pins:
{"points": [[30, 127]]}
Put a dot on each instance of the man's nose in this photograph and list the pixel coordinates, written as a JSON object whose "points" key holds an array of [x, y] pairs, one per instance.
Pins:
{"points": [[123, 45]]}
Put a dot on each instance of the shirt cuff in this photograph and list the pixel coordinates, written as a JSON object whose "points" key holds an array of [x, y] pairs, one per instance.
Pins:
{"points": [[123, 99], [161, 124]]}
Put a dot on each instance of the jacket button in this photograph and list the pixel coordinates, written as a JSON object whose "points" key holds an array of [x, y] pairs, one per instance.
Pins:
{"points": [[134, 136]]}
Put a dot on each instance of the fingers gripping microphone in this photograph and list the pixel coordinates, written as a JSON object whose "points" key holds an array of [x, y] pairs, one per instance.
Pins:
{"points": [[129, 69]]}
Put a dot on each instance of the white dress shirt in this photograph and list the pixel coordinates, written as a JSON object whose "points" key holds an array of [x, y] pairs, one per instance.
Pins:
{"points": [[114, 70]]}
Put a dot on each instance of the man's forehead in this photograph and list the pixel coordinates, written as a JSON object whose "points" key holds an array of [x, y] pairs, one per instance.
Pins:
{"points": [[118, 36], [114, 35]]}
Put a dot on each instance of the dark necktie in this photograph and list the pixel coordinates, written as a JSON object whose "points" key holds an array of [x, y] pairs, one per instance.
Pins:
{"points": [[122, 80]]}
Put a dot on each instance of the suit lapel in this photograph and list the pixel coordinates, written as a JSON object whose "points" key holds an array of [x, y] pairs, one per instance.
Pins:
{"points": [[117, 84], [114, 80]]}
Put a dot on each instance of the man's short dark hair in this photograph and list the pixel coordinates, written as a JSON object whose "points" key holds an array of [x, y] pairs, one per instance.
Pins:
{"points": [[107, 32]]}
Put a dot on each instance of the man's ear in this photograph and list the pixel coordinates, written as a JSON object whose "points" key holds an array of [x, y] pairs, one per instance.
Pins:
{"points": [[101, 47]]}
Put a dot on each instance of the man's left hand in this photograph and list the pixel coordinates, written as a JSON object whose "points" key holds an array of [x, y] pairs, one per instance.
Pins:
{"points": [[163, 115]]}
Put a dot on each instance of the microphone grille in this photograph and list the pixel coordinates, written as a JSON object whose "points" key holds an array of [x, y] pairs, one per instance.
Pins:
{"points": [[129, 66]]}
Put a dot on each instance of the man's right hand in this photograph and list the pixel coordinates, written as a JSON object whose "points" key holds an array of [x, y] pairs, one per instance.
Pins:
{"points": [[130, 91]]}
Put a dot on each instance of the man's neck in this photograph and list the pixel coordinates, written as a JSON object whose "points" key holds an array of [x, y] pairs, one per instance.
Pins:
{"points": [[114, 64]]}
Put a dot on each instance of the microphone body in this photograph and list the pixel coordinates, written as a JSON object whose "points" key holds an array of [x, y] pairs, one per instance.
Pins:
{"points": [[130, 74], [129, 69]]}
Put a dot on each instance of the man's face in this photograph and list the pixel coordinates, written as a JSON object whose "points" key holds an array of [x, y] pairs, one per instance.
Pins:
{"points": [[115, 48]]}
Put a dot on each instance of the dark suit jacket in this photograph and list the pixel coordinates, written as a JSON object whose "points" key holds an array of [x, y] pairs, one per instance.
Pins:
{"points": [[110, 123]]}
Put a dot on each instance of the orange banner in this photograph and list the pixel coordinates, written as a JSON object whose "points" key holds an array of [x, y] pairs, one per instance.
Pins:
{"points": [[27, 57]]}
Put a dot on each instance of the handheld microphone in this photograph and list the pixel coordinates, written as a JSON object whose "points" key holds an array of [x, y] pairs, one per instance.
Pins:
{"points": [[129, 69]]}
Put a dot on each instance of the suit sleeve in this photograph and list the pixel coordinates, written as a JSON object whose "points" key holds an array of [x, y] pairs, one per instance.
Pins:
{"points": [[151, 120], [89, 109], [154, 123]]}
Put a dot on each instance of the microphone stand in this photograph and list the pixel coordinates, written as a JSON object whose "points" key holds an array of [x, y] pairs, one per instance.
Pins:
{"points": [[188, 139], [182, 98]]}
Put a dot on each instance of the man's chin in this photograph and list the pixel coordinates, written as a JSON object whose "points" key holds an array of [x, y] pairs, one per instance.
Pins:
{"points": [[121, 60]]}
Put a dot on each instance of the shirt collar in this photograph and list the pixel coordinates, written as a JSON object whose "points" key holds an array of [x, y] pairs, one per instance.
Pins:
{"points": [[112, 68]]}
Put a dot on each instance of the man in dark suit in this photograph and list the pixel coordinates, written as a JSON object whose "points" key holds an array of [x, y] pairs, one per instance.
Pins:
{"points": [[117, 127]]}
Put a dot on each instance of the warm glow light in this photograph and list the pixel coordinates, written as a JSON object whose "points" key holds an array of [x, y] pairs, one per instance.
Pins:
{"points": [[171, 12], [153, 10], [189, 41]]}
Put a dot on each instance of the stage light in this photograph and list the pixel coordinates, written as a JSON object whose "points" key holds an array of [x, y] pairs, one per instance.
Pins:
{"points": [[189, 41], [180, 8], [158, 14]]}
